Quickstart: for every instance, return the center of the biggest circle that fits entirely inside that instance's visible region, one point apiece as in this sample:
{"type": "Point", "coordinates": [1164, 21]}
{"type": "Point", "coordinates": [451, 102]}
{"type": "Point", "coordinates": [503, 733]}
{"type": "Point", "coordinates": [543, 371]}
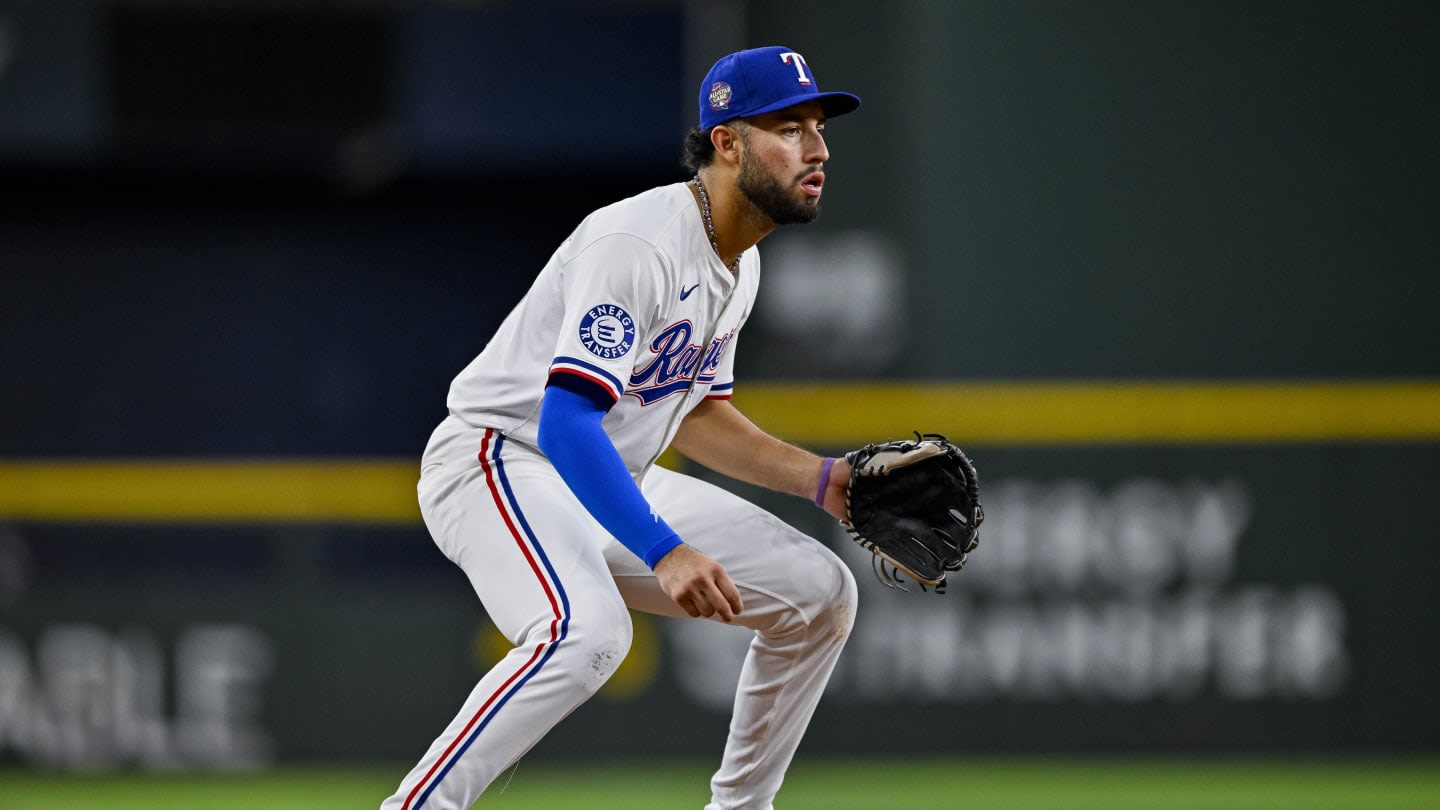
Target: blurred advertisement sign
{"type": "Point", "coordinates": [1081, 593]}
{"type": "Point", "coordinates": [87, 697]}
{"type": "Point", "coordinates": [49, 84]}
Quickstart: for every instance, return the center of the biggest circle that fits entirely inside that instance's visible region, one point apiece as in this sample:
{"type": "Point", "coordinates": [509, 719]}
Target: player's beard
{"type": "Point", "coordinates": [773, 199]}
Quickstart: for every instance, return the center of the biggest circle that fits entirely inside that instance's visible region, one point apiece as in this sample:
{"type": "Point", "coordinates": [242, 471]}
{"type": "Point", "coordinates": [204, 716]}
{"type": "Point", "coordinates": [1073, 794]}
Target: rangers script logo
{"type": "Point", "coordinates": [675, 361]}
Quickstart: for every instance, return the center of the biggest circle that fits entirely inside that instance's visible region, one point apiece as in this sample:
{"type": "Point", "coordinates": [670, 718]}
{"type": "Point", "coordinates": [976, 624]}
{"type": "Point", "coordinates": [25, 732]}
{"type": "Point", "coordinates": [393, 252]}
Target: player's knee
{"type": "Point", "coordinates": [828, 594]}
{"type": "Point", "coordinates": [597, 641]}
{"type": "Point", "coordinates": [840, 611]}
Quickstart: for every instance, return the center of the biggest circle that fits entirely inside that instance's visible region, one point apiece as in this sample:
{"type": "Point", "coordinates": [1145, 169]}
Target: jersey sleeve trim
{"type": "Point", "coordinates": [589, 371]}
{"type": "Point", "coordinates": [721, 391]}
{"type": "Point", "coordinates": [597, 394]}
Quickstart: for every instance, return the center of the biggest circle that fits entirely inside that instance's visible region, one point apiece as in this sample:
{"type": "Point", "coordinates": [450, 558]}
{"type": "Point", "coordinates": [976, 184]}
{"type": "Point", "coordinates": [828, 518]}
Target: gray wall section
{"type": "Point", "coordinates": [1140, 188]}
{"type": "Point", "coordinates": [1141, 600]}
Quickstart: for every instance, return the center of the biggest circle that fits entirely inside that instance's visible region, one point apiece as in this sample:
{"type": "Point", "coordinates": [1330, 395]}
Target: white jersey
{"type": "Point", "coordinates": [636, 301]}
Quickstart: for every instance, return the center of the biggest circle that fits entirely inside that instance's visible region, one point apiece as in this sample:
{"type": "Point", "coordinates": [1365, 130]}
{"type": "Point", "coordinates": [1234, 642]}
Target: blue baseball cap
{"type": "Point", "coordinates": [764, 80]}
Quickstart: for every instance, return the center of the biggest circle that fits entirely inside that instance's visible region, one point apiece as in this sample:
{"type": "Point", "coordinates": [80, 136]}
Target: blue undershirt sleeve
{"type": "Point", "coordinates": [572, 438]}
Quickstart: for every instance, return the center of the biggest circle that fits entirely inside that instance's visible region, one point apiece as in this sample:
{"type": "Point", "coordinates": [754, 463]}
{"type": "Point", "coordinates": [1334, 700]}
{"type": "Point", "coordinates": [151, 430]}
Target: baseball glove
{"type": "Point", "coordinates": [916, 506]}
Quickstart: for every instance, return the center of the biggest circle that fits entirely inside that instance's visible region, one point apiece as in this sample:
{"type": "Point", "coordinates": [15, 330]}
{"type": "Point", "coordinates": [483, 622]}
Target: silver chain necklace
{"type": "Point", "coordinates": [710, 224]}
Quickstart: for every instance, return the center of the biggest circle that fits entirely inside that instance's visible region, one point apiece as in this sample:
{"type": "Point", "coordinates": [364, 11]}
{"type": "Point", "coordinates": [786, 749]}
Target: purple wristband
{"type": "Point", "coordinates": [824, 482]}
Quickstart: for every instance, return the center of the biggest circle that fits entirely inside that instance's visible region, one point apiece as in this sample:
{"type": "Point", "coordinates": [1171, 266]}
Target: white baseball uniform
{"type": "Point", "coordinates": [636, 301]}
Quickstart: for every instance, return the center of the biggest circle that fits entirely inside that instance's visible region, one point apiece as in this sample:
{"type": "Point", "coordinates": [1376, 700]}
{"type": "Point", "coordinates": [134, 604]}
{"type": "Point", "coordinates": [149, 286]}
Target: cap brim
{"type": "Point", "coordinates": [833, 103]}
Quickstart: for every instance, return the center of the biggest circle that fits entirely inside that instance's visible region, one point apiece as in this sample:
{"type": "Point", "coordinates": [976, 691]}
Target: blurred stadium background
{"type": "Point", "coordinates": [1168, 268]}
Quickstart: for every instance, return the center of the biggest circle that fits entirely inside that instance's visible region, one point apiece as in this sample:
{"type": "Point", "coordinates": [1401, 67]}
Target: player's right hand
{"type": "Point", "coordinates": [698, 584]}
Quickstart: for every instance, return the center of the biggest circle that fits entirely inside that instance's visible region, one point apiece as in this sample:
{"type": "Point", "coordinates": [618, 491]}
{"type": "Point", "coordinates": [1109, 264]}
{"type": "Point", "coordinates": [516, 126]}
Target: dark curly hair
{"type": "Point", "coordinates": [699, 150]}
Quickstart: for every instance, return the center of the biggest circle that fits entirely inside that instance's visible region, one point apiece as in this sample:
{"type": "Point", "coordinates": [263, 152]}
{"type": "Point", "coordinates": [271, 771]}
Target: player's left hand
{"type": "Point", "coordinates": [916, 505]}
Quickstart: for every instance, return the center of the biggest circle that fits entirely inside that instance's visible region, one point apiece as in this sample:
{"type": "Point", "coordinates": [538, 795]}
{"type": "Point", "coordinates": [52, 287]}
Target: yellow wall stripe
{"type": "Point", "coordinates": [826, 416]}
{"type": "Point", "coordinates": [1100, 413]}
{"type": "Point", "coordinates": [267, 491]}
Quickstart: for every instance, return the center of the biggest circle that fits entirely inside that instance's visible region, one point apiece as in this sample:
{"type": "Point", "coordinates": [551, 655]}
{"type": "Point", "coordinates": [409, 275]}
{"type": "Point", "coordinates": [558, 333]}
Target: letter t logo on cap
{"type": "Point", "coordinates": [791, 57]}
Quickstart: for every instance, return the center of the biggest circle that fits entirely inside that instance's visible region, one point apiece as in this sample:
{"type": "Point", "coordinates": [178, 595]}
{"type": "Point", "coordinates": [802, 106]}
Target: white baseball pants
{"type": "Point", "coordinates": [558, 586]}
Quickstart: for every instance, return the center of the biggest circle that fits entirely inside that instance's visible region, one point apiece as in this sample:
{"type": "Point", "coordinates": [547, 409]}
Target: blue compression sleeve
{"type": "Point", "coordinates": [572, 438]}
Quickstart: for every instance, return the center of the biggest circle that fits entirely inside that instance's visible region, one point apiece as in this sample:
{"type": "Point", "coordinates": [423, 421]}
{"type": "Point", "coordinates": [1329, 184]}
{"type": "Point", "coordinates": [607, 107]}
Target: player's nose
{"type": "Point", "coordinates": [817, 152]}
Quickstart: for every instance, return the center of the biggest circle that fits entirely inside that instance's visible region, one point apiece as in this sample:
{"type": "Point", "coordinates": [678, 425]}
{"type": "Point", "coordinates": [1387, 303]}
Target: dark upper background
{"type": "Point", "coordinates": [280, 229]}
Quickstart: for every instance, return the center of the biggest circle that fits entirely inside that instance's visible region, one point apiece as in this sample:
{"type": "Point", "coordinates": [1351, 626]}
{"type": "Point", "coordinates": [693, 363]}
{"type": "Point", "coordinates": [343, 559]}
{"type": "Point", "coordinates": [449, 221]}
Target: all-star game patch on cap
{"type": "Point", "coordinates": [764, 80]}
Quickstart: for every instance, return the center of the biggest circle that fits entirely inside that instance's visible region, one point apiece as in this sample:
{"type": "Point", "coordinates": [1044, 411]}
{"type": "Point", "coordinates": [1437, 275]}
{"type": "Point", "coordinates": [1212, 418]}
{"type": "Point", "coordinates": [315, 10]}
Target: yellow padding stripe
{"type": "Point", "coordinates": [824, 416]}
{"type": "Point", "coordinates": [1100, 413]}
{"type": "Point", "coordinates": [265, 491]}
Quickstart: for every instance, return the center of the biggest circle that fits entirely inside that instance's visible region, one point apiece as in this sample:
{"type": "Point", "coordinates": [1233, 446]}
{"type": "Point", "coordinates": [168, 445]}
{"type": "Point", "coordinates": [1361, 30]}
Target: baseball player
{"type": "Point", "coordinates": [541, 484]}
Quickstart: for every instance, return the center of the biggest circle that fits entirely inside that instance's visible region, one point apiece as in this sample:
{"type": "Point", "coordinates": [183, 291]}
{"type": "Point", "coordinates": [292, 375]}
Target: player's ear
{"type": "Point", "coordinates": [726, 141]}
